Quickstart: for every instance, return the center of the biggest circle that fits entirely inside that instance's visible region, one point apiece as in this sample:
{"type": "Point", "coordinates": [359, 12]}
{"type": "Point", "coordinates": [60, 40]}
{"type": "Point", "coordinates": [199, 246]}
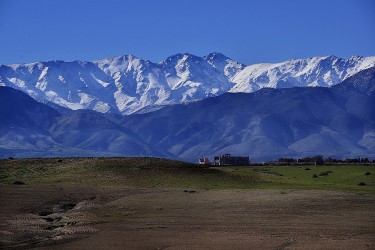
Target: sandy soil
{"type": "Point", "coordinates": [46, 217]}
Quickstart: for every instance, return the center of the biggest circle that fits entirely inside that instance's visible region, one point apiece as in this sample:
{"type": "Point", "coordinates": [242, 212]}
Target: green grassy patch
{"type": "Point", "coordinates": [120, 172]}
{"type": "Point", "coordinates": [335, 177]}
{"type": "Point", "coordinates": [162, 173]}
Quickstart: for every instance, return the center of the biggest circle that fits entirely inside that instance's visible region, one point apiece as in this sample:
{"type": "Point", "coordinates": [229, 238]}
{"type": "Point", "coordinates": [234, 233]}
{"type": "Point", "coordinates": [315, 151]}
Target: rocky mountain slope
{"type": "Point", "coordinates": [127, 84]}
{"type": "Point", "coordinates": [266, 124]}
{"type": "Point", "coordinates": [32, 129]}
{"type": "Point", "coordinates": [269, 123]}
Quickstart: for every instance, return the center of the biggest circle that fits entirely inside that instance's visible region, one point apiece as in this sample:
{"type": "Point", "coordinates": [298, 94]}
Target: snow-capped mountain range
{"type": "Point", "coordinates": [127, 84]}
{"type": "Point", "coordinates": [267, 124]}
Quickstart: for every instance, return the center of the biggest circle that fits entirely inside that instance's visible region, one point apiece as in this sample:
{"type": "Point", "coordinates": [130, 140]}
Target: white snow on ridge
{"type": "Point", "coordinates": [103, 83]}
{"type": "Point", "coordinates": [316, 71]}
{"type": "Point", "coordinates": [127, 84]}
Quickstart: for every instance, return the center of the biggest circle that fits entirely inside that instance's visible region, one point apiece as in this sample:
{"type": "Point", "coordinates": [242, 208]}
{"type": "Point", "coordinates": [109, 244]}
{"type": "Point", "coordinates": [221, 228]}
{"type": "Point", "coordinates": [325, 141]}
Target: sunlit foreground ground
{"type": "Point", "coordinates": [144, 203]}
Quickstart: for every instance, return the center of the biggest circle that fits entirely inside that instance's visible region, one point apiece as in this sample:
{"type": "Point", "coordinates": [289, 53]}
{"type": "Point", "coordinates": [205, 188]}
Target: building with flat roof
{"type": "Point", "coordinates": [229, 160]}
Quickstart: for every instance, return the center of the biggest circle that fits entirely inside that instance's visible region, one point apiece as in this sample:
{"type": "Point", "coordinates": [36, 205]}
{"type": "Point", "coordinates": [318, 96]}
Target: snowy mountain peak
{"type": "Point", "coordinates": [316, 71]}
{"type": "Point", "coordinates": [356, 57]}
{"type": "Point", "coordinates": [224, 64]}
{"type": "Point", "coordinates": [215, 56]}
{"type": "Point", "coordinates": [127, 84]}
{"type": "Point", "coordinates": [123, 63]}
{"type": "Point", "coordinates": [185, 57]}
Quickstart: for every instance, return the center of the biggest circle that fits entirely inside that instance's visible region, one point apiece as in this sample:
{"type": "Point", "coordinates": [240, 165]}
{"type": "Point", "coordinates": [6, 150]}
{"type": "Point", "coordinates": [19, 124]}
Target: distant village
{"type": "Point", "coordinates": [229, 160]}
{"type": "Point", "coordinates": [226, 160]}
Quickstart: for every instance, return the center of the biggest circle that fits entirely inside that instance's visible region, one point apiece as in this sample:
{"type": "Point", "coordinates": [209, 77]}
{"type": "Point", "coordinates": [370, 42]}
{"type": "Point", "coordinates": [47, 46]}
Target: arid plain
{"type": "Point", "coordinates": [146, 203]}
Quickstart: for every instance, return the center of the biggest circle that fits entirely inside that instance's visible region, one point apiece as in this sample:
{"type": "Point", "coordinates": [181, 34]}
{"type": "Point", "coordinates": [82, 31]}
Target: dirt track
{"type": "Point", "coordinates": [74, 218]}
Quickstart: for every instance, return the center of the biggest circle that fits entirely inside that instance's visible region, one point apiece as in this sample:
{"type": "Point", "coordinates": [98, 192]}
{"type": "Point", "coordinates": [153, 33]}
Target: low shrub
{"type": "Point", "coordinates": [18, 183]}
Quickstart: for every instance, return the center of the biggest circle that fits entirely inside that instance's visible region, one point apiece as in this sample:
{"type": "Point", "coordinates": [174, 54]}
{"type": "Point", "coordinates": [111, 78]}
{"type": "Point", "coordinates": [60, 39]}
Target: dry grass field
{"type": "Point", "coordinates": [145, 203]}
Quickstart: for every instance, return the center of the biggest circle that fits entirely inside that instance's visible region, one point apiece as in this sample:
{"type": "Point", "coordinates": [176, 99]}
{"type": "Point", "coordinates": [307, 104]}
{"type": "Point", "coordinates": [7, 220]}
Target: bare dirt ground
{"type": "Point", "coordinates": [62, 217]}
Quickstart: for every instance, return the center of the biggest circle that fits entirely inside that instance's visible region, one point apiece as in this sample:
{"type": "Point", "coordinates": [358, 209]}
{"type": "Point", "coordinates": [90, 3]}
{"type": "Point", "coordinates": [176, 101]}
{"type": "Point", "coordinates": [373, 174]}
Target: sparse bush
{"type": "Point", "coordinates": [189, 191]}
{"type": "Point", "coordinates": [314, 176]}
{"type": "Point", "coordinates": [67, 206]}
{"type": "Point", "coordinates": [45, 212]}
{"type": "Point", "coordinates": [18, 183]}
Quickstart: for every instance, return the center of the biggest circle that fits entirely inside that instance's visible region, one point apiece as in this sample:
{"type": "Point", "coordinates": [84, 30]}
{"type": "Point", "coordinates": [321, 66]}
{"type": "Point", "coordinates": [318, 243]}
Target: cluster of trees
{"type": "Point", "coordinates": [320, 160]}
{"type": "Point", "coordinates": [357, 160]}
{"type": "Point", "coordinates": [314, 159]}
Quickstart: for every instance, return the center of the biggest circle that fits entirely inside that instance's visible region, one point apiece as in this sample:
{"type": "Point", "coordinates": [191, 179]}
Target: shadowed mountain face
{"type": "Point", "coordinates": [19, 110]}
{"type": "Point", "coordinates": [270, 123]}
{"type": "Point", "coordinates": [89, 130]}
{"type": "Point", "coordinates": [29, 128]}
{"type": "Point", "coordinates": [363, 82]}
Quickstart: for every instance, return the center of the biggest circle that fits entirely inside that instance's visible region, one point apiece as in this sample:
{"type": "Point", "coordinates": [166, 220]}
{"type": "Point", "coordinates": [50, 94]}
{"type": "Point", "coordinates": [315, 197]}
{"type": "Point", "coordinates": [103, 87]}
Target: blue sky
{"type": "Point", "coordinates": [245, 30]}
